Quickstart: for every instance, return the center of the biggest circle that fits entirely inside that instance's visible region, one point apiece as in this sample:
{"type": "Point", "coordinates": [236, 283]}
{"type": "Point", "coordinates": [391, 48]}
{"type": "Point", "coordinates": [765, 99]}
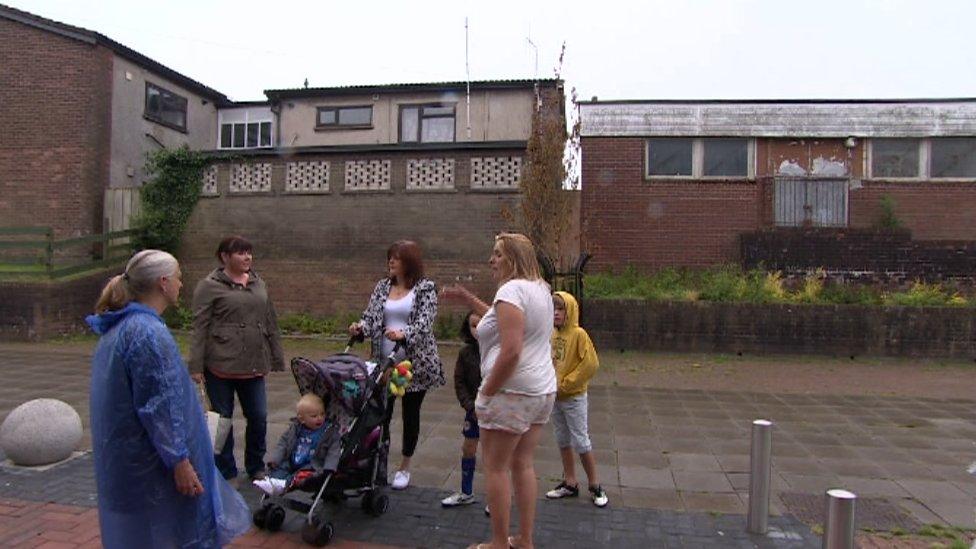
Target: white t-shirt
{"type": "Point", "coordinates": [534, 373]}
{"type": "Point", "coordinates": [396, 314]}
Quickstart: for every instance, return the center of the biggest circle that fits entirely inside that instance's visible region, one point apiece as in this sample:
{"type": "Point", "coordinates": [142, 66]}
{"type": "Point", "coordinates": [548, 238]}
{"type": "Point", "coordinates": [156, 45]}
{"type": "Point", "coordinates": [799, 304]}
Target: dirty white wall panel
{"type": "Point", "coordinates": [909, 119]}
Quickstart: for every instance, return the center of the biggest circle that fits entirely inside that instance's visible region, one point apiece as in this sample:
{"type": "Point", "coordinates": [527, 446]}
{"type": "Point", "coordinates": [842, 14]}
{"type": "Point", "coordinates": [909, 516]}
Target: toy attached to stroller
{"type": "Point", "coordinates": [357, 401]}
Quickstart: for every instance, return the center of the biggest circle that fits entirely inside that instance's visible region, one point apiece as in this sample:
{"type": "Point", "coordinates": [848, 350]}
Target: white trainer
{"type": "Point", "coordinates": [401, 479]}
{"type": "Point", "coordinates": [271, 486]}
{"type": "Point", "coordinates": [457, 498]}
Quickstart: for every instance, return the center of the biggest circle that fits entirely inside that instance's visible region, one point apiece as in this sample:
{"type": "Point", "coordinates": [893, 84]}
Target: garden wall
{"type": "Point", "coordinates": [31, 311]}
{"type": "Point", "coordinates": [861, 255]}
{"type": "Point", "coordinates": [838, 330]}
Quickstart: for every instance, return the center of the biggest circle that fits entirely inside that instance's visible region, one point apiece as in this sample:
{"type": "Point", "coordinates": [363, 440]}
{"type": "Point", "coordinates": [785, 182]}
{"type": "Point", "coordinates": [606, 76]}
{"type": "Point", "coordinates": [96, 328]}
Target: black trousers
{"type": "Point", "coordinates": [411, 419]}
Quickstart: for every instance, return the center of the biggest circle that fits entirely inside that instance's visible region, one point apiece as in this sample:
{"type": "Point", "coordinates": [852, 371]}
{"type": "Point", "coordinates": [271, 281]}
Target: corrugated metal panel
{"type": "Point", "coordinates": [819, 203]}
{"type": "Point", "coordinates": [780, 120]}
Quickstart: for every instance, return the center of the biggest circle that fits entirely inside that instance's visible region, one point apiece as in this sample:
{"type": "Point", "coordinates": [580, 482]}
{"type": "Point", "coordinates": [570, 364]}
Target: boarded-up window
{"type": "Point", "coordinates": [894, 157]}
{"type": "Point", "coordinates": [954, 157]}
{"type": "Point", "coordinates": [669, 156]}
{"type": "Point", "coordinates": [726, 157]}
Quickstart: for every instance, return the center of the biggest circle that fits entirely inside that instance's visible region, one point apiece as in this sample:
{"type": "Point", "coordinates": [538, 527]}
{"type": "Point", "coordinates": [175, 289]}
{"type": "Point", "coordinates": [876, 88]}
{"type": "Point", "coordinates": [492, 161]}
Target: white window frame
{"type": "Point", "coordinates": [247, 120]}
{"type": "Point", "coordinates": [924, 164]}
{"type": "Point", "coordinates": [698, 161]}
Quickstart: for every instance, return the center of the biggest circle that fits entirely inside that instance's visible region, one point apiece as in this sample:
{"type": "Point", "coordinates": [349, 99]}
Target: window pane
{"type": "Point", "coordinates": [239, 136]}
{"type": "Point", "coordinates": [669, 156]}
{"type": "Point", "coordinates": [226, 132]}
{"type": "Point", "coordinates": [327, 116]}
{"type": "Point", "coordinates": [265, 134]}
{"type": "Point", "coordinates": [432, 111]}
{"type": "Point", "coordinates": [954, 157]}
{"type": "Point", "coordinates": [356, 117]}
{"type": "Point", "coordinates": [894, 158]}
{"type": "Point", "coordinates": [437, 130]}
{"type": "Point", "coordinates": [174, 109]}
{"type": "Point", "coordinates": [726, 157]}
{"type": "Point", "coordinates": [408, 124]}
{"type": "Point", "coordinates": [153, 102]}
{"type": "Point", "coordinates": [252, 134]}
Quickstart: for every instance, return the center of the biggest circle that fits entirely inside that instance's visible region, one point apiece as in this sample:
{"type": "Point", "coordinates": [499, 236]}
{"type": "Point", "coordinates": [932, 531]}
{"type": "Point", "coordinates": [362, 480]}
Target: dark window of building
{"type": "Point", "coordinates": [427, 123]}
{"type": "Point", "coordinates": [894, 157]}
{"type": "Point", "coordinates": [669, 156]}
{"type": "Point", "coordinates": [728, 157]}
{"type": "Point", "coordinates": [165, 107]}
{"type": "Point", "coordinates": [350, 117]}
{"type": "Point", "coordinates": [954, 157]}
{"type": "Point", "coordinates": [245, 135]}
{"type": "Point", "coordinates": [226, 136]}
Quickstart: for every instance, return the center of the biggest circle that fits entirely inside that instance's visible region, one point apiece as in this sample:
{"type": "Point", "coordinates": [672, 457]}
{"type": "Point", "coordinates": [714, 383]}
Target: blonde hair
{"type": "Point", "coordinates": [139, 279]}
{"type": "Point", "coordinates": [310, 401]}
{"type": "Point", "coordinates": [519, 251]}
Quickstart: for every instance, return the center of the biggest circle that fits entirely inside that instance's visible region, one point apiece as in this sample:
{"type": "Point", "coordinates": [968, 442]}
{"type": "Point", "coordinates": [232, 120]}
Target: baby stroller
{"type": "Point", "coordinates": [357, 400]}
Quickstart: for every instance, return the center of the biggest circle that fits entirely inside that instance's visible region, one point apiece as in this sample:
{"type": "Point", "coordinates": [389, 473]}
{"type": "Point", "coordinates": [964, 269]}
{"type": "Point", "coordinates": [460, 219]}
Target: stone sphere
{"type": "Point", "coordinates": [40, 431]}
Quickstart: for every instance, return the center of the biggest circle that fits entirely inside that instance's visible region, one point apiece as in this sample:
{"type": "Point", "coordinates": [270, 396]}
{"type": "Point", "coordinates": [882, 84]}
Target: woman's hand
{"type": "Point", "coordinates": [395, 335]}
{"type": "Point", "coordinates": [187, 481]}
{"type": "Point", "coordinates": [197, 378]}
{"type": "Point", "coordinates": [356, 329]}
{"type": "Point", "coordinates": [455, 292]}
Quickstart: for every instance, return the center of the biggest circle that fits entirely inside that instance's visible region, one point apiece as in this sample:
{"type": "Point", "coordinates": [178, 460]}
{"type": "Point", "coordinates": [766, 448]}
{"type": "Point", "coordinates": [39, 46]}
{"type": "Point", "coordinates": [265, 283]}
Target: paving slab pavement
{"type": "Point", "coordinates": [660, 449]}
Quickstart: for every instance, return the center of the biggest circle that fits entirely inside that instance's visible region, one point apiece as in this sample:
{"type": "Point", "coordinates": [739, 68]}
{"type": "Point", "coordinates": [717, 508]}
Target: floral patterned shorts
{"type": "Point", "coordinates": [513, 412]}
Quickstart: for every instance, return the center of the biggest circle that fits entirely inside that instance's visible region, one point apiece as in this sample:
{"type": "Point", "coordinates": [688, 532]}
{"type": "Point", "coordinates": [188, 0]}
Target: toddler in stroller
{"type": "Point", "coordinates": [309, 448]}
{"type": "Point", "coordinates": [349, 458]}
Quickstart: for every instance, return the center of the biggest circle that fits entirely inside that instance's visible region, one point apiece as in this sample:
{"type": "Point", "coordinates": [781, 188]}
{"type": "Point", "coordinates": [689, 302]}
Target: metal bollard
{"type": "Point", "coordinates": [759, 471]}
{"type": "Point", "coordinates": [839, 523]}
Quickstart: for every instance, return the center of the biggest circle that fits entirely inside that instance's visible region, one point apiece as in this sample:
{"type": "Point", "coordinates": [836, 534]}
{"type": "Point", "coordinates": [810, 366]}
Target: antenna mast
{"type": "Point", "coordinates": [467, 75]}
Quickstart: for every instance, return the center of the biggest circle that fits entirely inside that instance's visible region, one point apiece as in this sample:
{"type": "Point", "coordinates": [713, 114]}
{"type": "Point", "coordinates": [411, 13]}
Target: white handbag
{"type": "Point", "coordinates": [217, 425]}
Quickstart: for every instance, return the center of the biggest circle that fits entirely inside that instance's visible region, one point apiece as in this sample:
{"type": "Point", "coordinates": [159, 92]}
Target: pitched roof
{"type": "Point", "coordinates": [412, 87]}
{"type": "Point", "coordinates": [92, 37]}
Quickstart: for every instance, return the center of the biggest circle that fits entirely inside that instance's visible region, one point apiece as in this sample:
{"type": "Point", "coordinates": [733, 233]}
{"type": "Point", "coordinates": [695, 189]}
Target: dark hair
{"type": "Point", "coordinates": [231, 245]}
{"type": "Point", "coordinates": [408, 252]}
{"type": "Point", "coordinates": [466, 335]}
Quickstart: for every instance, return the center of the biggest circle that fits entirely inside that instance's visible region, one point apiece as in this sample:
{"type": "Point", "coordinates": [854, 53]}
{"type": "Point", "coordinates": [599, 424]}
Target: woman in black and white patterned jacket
{"type": "Point", "coordinates": [403, 308]}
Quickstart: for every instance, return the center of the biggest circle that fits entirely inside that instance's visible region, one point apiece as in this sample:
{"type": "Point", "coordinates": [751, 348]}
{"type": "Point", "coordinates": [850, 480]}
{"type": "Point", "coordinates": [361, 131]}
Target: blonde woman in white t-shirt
{"type": "Point", "coordinates": [519, 382]}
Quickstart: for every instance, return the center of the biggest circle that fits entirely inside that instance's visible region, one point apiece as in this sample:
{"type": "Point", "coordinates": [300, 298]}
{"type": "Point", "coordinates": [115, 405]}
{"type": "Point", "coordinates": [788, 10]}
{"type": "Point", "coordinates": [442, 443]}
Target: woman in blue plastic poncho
{"type": "Point", "coordinates": [157, 482]}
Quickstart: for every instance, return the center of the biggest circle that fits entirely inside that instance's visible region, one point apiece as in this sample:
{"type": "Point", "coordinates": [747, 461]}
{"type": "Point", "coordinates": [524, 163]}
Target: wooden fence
{"type": "Point", "coordinates": [33, 252]}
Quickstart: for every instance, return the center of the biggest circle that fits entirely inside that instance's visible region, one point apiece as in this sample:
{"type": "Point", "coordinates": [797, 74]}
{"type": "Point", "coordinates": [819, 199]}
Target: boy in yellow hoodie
{"type": "Point", "coordinates": [575, 360]}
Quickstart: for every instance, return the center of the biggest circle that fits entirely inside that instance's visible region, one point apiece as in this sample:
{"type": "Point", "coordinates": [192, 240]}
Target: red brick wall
{"type": "Point", "coordinates": [55, 97]}
{"type": "Point", "coordinates": [930, 210]}
{"type": "Point", "coordinates": [652, 224]}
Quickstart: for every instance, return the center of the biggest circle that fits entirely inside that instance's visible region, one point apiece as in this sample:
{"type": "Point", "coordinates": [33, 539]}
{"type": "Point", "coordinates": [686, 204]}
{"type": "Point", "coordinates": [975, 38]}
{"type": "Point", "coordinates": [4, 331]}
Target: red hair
{"type": "Point", "coordinates": [408, 252]}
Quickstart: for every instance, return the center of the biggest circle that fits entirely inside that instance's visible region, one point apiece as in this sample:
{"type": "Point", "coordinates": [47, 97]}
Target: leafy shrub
{"type": "Point", "coordinates": [179, 318]}
{"type": "Point", "coordinates": [926, 295]}
{"type": "Point", "coordinates": [731, 284]}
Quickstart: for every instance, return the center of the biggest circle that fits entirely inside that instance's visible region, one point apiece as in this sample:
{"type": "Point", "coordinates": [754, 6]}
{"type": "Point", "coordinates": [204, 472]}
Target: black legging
{"type": "Point", "coordinates": [411, 419]}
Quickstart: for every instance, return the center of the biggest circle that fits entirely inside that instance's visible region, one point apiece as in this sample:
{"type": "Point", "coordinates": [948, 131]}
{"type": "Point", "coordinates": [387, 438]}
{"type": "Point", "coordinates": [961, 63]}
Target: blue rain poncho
{"type": "Point", "coordinates": [146, 418]}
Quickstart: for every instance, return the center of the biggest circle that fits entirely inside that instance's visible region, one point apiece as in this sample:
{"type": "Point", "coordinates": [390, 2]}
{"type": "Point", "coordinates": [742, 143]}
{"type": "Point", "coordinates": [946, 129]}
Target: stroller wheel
{"type": "Point", "coordinates": [375, 503]}
{"type": "Point", "coordinates": [275, 518]}
{"type": "Point", "coordinates": [260, 517]}
{"type": "Point", "coordinates": [317, 532]}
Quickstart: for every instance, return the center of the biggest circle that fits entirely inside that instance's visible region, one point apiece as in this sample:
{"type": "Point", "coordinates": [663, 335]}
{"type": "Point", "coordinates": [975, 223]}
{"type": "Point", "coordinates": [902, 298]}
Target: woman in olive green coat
{"type": "Point", "coordinates": [236, 342]}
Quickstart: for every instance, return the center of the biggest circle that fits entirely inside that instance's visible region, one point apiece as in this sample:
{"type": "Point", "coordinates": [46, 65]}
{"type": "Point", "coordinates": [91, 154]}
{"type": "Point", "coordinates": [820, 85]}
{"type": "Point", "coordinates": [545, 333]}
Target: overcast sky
{"type": "Point", "coordinates": [614, 49]}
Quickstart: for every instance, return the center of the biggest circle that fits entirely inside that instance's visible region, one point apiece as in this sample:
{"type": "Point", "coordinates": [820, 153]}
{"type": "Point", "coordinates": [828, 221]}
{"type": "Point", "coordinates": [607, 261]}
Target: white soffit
{"type": "Point", "coordinates": [788, 119]}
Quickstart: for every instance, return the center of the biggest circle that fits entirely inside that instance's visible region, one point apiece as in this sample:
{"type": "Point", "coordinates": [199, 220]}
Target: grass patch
{"type": "Point", "coordinates": [730, 284]}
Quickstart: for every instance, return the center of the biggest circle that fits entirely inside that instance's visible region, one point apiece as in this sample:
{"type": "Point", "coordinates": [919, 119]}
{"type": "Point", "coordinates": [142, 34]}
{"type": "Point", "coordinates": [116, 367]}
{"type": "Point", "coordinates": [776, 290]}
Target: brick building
{"type": "Point", "coordinates": [675, 183]}
{"type": "Point", "coordinates": [323, 180]}
{"type": "Point", "coordinates": [80, 111]}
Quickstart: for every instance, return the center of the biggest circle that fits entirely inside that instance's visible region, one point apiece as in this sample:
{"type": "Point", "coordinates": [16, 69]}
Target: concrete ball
{"type": "Point", "coordinates": [40, 432]}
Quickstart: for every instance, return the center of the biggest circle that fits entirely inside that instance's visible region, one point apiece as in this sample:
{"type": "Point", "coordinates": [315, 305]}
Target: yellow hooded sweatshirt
{"type": "Point", "coordinates": [573, 353]}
